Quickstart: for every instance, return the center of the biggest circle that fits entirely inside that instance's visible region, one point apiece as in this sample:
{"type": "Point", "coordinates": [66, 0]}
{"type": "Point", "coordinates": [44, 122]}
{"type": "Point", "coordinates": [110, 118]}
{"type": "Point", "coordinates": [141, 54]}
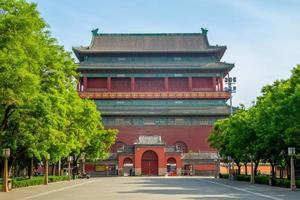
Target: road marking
{"type": "Point", "coordinates": [244, 190]}
{"type": "Point", "coordinates": [57, 190]}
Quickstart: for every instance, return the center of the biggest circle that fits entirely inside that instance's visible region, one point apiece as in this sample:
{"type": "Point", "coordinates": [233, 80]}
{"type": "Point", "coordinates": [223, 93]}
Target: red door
{"type": "Point", "coordinates": [150, 164]}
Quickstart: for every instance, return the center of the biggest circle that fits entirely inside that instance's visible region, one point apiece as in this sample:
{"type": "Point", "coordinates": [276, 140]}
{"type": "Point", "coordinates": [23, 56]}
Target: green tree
{"type": "Point", "coordinates": [40, 110]}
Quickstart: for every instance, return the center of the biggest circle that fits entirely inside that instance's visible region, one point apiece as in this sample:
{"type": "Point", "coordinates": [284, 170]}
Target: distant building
{"type": "Point", "coordinates": [163, 92]}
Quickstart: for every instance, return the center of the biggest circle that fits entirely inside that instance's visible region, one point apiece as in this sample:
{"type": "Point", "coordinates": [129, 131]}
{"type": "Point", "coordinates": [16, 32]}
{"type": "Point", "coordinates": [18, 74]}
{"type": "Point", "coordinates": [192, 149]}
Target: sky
{"type": "Point", "coordinates": [262, 36]}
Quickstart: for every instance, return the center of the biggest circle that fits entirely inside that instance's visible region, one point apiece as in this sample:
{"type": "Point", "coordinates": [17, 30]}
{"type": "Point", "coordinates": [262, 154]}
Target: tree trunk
{"type": "Point", "coordinates": [53, 170]}
{"type": "Point", "coordinates": [239, 168]}
{"type": "Point", "coordinates": [272, 170]}
{"type": "Point", "coordinates": [7, 113]}
{"type": "Point", "coordinates": [30, 168]}
{"type": "Point", "coordinates": [280, 172]}
{"type": "Point", "coordinates": [1, 169]}
{"type": "Point", "coordinates": [255, 167]}
{"type": "Point", "coordinates": [246, 168]}
{"type": "Point", "coordinates": [11, 162]}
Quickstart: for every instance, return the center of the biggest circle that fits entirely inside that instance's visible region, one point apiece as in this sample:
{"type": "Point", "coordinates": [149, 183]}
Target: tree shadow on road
{"type": "Point", "coordinates": [186, 188]}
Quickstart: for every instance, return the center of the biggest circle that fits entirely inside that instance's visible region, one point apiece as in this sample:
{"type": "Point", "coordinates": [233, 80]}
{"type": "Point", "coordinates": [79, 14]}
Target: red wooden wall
{"type": "Point", "coordinates": [149, 84]}
{"type": "Point", "coordinates": [202, 84]}
{"type": "Point", "coordinates": [97, 83]}
{"type": "Point", "coordinates": [195, 137]}
{"type": "Point", "coordinates": [120, 84]}
{"type": "Point", "coordinates": [178, 84]}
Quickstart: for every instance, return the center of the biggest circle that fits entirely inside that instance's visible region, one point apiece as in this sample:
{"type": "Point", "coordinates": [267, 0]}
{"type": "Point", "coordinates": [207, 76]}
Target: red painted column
{"type": "Point", "coordinates": [190, 83]}
{"type": "Point", "coordinates": [78, 85]}
{"type": "Point", "coordinates": [108, 83]}
{"type": "Point", "coordinates": [166, 84]}
{"type": "Point", "coordinates": [132, 84]}
{"type": "Point", "coordinates": [221, 84]}
{"type": "Point", "coordinates": [214, 83]}
{"type": "Point", "coordinates": [84, 83]}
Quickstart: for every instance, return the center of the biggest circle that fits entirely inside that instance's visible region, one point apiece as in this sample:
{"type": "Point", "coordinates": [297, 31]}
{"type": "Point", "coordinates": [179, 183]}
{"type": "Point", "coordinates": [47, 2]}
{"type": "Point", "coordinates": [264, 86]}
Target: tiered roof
{"type": "Point", "coordinates": [149, 43]}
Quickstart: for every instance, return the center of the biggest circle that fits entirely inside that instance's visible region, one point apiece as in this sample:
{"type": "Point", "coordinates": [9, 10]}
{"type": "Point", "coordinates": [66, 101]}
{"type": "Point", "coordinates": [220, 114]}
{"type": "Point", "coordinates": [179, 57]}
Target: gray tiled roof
{"type": "Point", "coordinates": [149, 42]}
{"type": "Point", "coordinates": [177, 42]}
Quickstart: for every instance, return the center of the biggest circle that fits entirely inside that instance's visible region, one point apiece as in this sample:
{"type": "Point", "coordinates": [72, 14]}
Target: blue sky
{"type": "Point", "coordinates": [262, 36]}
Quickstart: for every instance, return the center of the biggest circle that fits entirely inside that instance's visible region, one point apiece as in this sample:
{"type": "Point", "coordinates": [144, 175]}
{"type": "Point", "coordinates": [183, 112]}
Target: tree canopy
{"type": "Point", "coordinates": [265, 130]}
{"type": "Point", "coordinates": [41, 112]}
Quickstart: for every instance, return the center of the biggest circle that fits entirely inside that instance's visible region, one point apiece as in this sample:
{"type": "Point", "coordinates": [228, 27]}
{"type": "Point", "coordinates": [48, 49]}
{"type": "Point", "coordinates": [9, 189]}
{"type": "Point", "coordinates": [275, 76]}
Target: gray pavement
{"type": "Point", "coordinates": [144, 188]}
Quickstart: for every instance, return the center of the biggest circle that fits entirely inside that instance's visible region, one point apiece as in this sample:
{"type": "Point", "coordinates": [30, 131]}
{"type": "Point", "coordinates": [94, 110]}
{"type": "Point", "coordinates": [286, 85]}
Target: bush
{"type": "Point", "coordinates": [262, 179]}
{"type": "Point", "coordinates": [21, 182]}
{"type": "Point", "coordinates": [27, 182]}
{"type": "Point", "coordinates": [282, 182]}
{"type": "Point", "coordinates": [57, 178]}
{"type": "Point", "coordinates": [243, 177]}
{"type": "Point", "coordinates": [225, 176]}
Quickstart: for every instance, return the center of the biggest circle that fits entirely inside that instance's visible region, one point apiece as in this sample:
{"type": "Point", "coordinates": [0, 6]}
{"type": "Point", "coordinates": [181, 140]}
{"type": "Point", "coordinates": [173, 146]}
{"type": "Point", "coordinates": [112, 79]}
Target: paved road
{"type": "Point", "coordinates": [156, 188]}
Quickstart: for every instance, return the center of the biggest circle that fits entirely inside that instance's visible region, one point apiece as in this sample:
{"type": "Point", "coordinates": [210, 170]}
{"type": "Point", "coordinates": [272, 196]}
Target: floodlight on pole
{"type": "Point", "coordinates": [231, 88]}
{"type": "Point", "coordinates": [292, 153]}
{"type": "Point", "coordinates": [70, 159]}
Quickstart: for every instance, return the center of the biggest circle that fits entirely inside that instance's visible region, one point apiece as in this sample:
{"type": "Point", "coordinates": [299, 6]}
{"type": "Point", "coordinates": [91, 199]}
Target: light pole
{"type": "Point", "coordinates": [252, 180]}
{"type": "Point", "coordinates": [47, 157]}
{"type": "Point", "coordinates": [70, 159]}
{"type": "Point", "coordinates": [83, 164]}
{"type": "Point", "coordinates": [217, 167]}
{"type": "Point", "coordinates": [231, 88]}
{"type": "Point", "coordinates": [292, 152]}
{"type": "Point", "coordinates": [6, 154]}
{"type": "Point", "coordinates": [229, 167]}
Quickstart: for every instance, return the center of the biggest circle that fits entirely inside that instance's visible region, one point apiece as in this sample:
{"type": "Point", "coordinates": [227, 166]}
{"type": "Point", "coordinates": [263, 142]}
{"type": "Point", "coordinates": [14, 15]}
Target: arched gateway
{"type": "Point", "coordinates": [150, 163]}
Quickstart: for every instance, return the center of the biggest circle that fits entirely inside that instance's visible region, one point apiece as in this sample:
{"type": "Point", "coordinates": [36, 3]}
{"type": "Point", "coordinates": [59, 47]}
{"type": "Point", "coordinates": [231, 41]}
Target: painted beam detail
{"type": "Point", "coordinates": [126, 74]}
{"type": "Point", "coordinates": [155, 95]}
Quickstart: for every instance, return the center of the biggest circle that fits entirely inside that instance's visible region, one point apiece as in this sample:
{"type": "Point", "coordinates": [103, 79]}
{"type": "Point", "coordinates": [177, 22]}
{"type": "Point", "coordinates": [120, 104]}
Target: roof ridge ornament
{"type": "Point", "coordinates": [95, 31]}
{"type": "Point", "coordinates": [204, 31]}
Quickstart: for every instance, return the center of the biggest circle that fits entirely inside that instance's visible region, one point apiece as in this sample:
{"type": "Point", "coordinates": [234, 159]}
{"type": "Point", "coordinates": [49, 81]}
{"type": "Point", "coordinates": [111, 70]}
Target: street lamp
{"type": "Point", "coordinates": [252, 179]}
{"type": "Point", "coordinates": [6, 154]}
{"type": "Point", "coordinates": [70, 159]}
{"type": "Point", "coordinates": [231, 88]}
{"type": "Point", "coordinates": [229, 167]}
{"type": "Point", "coordinates": [47, 157]}
{"type": "Point", "coordinates": [83, 163]}
{"type": "Point", "coordinates": [217, 167]}
{"type": "Point", "coordinates": [291, 153]}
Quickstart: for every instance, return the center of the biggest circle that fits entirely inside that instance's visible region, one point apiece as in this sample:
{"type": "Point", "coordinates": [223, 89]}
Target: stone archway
{"type": "Point", "coordinates": [128, 167]}
{"type": "Point", "coordinates": [171, 167]}
{"type": "Point", "coordinates": [149, 163]}
{"type": "Point", "coordinates": [182, 146]}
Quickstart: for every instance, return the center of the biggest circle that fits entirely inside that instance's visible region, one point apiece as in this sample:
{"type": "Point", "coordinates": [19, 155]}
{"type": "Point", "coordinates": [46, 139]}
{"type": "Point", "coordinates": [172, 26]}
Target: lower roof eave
{"type": "Point", "coordinates": [162, 114]}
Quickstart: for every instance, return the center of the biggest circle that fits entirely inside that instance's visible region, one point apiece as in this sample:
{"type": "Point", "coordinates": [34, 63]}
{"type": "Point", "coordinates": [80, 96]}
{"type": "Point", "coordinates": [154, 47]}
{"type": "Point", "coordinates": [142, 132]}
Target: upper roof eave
{"type": "Point", "coordinates": [179, 66]}
{"type": "Point", "coordinates": [81, 52]}
{"type": "Point", "coordinates": [90, 51]}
